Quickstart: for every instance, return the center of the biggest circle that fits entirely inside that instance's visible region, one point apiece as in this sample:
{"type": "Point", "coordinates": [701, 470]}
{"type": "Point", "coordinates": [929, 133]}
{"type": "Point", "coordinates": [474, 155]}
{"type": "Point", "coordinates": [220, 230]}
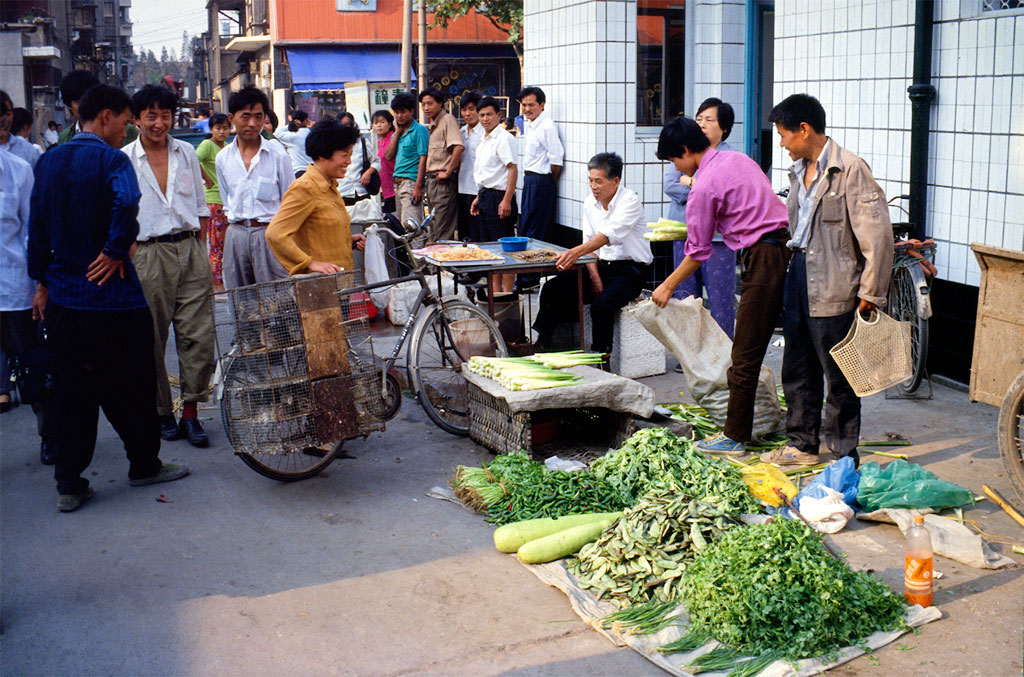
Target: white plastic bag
{"type": "Point", "coordinates": [376, 269]}
{"type": "Point", "coordinates": [555, 463]}
{"type": "Point", "coordinates": [704, 351]}
{"type": "Point", "coordinates": [828, 514]}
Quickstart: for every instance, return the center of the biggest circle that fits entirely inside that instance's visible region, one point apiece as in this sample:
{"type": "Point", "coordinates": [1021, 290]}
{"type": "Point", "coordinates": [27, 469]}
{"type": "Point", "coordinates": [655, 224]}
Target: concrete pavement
{"type": "Point", "coordinates": [357, 572]}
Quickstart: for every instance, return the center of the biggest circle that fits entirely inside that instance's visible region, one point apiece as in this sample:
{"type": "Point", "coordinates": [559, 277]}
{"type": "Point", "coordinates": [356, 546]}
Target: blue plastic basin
{"type": "Point", "coordinates": [513, 244]}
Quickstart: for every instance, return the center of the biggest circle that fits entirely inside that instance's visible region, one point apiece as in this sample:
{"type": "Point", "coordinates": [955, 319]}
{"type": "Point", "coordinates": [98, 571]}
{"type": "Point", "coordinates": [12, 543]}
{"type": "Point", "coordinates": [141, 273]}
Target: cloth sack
{"type": "Point", "coordinates": [704, 351]}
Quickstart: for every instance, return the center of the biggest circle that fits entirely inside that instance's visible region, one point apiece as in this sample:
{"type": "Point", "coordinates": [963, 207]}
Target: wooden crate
{"type": "Point", "coordinates": [999, 334]}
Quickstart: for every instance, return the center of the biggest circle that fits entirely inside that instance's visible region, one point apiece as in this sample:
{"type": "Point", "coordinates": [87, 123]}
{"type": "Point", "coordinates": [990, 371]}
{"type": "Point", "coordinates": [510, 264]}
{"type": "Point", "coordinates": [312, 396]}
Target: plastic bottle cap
{"type": "Point", "coordinates": [918, 519]}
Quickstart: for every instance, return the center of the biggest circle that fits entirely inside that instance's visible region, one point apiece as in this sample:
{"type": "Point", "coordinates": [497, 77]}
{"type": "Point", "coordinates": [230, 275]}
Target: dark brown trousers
{"type": "Point", "coordinates": [763, 277]}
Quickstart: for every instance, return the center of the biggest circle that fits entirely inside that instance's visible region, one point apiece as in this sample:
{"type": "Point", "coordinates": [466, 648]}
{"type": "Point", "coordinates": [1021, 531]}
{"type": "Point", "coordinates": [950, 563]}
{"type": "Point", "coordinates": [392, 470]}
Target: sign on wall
{"type": "Point", "coordinates": [357, 5]}
{"type": "Point", "coordinates": [357, 102]}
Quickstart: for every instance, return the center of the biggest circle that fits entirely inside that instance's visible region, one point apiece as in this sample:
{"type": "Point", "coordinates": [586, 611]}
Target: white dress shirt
{"type": "Point", "coordinates": [350, 186]}
{"type": "Point", "coordinates": [622, 223]}
{"type": "Point", "coordinates": [295, 142]}
{"type": "Point", "coordinates": [493, 156]}
{"type": "Point", "coordinates": [180, 207]}
{"type": "Point", "coordinates": [254, 193]}
{"type": "Point", "coordinates": [21, 148]}
{"type": "Point", "coordinates": [471, 138]}
{"type": "Point", "coordinates": [51, 137]}
{"type": "Point", "coordinates": [541, 145]}
{"type": "Point", "coordinates": [16, 288]}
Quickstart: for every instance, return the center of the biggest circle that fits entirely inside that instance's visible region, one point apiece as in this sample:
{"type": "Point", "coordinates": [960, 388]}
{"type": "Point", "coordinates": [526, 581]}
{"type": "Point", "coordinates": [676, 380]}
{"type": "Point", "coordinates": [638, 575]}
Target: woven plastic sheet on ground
{"type": "Point", "coordinates": [297, 364]}
{"type": "Point", "coordinates": [687, 329]}
{"type": "Point", "coordinates": [949, 539]}
{"type": "Point", "coordinates": [590, 611]}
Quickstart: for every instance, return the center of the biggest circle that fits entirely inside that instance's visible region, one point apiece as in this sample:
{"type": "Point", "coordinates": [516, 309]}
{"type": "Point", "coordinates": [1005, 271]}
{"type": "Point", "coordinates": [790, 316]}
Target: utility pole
{"type": "Point", "coordinates": [421, 76]}
{"type": "Point", "coordinates": [406, 44]}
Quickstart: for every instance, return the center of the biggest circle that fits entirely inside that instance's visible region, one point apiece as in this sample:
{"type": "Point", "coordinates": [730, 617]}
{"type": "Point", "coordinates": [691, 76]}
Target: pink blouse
{"type": "Point", "coordinates": [387, 168]}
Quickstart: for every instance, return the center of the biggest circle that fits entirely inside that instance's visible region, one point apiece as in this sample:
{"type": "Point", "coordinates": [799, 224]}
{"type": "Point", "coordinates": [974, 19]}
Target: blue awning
{"type": "Point", "coordinates": [331, 67]}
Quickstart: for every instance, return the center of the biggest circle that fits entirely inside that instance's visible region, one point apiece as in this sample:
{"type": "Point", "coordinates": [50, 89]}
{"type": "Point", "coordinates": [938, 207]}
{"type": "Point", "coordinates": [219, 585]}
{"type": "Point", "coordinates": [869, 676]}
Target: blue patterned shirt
{"type": "Point", "coordinates": [85, 201]}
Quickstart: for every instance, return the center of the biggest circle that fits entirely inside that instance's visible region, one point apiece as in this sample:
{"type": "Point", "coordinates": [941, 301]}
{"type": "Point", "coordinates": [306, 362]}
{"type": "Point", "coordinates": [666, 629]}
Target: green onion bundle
{"type": "Point", "coordinates": [519, 373]}
{"type": "Point", "coordinates": [567, 358]}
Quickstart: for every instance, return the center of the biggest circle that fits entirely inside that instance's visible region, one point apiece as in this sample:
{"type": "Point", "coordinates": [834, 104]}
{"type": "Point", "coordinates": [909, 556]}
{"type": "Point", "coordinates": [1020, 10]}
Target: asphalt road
{"type": "Point", "coordinates": [358, 572]}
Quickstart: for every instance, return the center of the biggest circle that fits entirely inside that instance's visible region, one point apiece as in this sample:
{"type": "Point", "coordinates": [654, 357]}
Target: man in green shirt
{"type": "Point", "coordinates": [72, 87]}
{"type": "Point", "coordinates": [408, 150]}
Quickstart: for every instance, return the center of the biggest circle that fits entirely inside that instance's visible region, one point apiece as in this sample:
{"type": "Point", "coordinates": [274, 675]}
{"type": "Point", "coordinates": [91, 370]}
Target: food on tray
{"type": "Point", "coordinates": [534, 255]}
{"type": "Point", "coordinates": [465, 254]}
{"type": "Point", "coordinates": [432, 249]}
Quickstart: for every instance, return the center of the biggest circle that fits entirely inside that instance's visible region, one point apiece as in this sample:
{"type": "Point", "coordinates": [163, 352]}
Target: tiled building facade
{"type": "Point", "coordinates": [856, 56]}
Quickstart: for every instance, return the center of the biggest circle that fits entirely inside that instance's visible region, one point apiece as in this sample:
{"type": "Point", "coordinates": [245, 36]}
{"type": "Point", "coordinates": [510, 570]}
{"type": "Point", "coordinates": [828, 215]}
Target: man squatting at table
{"type": "Point", "coordinates": [613, 226]}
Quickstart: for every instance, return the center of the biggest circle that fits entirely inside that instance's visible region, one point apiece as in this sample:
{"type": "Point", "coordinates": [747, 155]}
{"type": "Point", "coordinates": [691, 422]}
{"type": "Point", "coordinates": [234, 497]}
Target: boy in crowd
{"type": "Point", "coordinates": [408, 150]}
{"type": "Point", "coordinates": [495, 172]}
{"type": "Point", "coordinates": [444, 154]}
{"type": "Point", "coordinates": [293, 136]}
{"type": "Point", "coordinates": [252, 179]}
{"type": "Point", "coordinates": [9, 141]}
{"type": "Point", "coordinates": [171, 258]}
{"type": "Point", "coordinates": [472, 134]}
{"type": "Point", "coordinates": [83, 225]}
{"type": "Point", "coordinates": [72, 87]}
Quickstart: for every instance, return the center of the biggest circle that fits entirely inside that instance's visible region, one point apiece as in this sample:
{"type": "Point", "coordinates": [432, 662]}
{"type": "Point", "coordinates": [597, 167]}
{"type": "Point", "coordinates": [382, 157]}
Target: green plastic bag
{"type": "Point", "coordinates": [907, 485]}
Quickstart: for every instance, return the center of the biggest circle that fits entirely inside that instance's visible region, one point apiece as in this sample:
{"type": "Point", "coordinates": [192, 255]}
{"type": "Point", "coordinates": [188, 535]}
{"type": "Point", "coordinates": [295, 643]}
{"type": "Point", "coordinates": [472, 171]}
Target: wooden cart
{"type": "Point", "coordinates": [997, 367]}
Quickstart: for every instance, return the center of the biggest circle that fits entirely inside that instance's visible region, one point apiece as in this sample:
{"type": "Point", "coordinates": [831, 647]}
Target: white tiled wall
{"type": "Point", "coordinates": [857, 58]}
{"type": "Point", "coordinates": [583, 55]}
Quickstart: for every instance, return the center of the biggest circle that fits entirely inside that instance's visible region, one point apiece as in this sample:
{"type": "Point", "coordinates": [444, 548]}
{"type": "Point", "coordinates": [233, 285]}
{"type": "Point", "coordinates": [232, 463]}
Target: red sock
{"type": "Point", "coordinates": [189, 410]}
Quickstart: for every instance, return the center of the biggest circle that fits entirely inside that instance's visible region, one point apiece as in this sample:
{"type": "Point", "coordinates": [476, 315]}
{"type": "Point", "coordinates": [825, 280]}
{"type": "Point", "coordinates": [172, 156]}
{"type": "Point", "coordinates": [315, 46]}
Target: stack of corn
{"type": "Point", "coordinates": [665, 229]}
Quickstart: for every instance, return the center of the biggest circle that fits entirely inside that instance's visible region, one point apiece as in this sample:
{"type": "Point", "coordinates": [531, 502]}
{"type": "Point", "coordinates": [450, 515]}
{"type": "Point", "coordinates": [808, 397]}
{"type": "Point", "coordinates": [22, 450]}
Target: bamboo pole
{"type": "Point", "coordinates": [1002, 503]}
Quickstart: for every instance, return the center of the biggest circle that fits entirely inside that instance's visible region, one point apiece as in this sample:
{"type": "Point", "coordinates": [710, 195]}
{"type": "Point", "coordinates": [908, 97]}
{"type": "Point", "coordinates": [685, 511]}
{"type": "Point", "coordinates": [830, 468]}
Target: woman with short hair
{"type": "Point", "coordinates": [311, 232]}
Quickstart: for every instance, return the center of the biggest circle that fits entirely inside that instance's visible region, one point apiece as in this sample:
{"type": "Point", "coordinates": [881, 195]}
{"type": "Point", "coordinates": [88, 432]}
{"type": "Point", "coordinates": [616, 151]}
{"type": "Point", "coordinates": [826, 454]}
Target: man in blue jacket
{"type": "Point", "coordinates": [81, 237]}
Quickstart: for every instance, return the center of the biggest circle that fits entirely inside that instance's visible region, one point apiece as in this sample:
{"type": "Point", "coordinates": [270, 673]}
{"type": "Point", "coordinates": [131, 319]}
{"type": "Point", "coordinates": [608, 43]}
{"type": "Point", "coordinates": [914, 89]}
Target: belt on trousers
{"type": "Point", "coordinates": [778, 237]}
{"type": "Point", "coordinates": [537, 174]}
{"type": "Point", "coordinates": [349, 201]}
{"type": "Point", "coordinates": [173, 237]}
{"type": "Point", "coordinates": [399, 180]}
{"type": "Point", "coordinates": [249, 223]}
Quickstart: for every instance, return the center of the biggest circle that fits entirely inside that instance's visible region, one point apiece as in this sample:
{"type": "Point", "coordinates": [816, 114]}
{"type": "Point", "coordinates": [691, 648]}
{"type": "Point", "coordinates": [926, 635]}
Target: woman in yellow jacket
{"type": "Point", "coordinates": [311, 232]}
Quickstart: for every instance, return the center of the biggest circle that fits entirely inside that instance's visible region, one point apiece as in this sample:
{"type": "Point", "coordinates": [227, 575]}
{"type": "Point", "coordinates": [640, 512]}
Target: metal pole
{"type": "Point", "coordinates": [406, 43]}
{"type": "Point", "coordinates": [421, 74]}
{"type": "Point", "coordinates": [922, 93]}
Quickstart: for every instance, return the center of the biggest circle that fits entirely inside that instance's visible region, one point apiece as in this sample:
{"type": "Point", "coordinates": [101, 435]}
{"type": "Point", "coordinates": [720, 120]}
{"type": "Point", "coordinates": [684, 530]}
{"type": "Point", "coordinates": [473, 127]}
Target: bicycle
{"type": "Point", "coordinates": [441, 332]}
{"type": "Point", "coordinates": [909, 298]}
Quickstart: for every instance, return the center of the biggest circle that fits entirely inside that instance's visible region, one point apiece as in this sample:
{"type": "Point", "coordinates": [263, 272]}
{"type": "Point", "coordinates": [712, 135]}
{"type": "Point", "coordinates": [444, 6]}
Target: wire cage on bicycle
{"type": "Point", "coordinates": [297, 364]}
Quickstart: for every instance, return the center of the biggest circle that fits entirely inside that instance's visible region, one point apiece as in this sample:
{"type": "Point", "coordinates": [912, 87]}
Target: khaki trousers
{"type": "Point", "coordinates": [177, 283]}
{"type": "Point", "coordinates": [443, 198]}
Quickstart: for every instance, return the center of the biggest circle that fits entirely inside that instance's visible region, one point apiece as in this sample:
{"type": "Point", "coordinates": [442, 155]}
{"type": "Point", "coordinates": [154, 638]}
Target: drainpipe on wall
{"type": "Point", "coordinates": [751, 125]}
{"type": "Point", "coordinates": [922, 93]}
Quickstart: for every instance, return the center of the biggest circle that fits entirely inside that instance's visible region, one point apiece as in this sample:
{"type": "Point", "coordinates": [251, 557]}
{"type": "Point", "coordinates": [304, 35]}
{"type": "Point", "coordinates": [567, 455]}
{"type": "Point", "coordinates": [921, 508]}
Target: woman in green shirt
{"type": "Point", "coordinates": [207, 151]}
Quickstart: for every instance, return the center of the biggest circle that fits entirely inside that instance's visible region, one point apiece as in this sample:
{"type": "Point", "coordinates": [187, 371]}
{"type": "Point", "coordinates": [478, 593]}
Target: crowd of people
{"type": "Point", "coordinates": [119, 232]}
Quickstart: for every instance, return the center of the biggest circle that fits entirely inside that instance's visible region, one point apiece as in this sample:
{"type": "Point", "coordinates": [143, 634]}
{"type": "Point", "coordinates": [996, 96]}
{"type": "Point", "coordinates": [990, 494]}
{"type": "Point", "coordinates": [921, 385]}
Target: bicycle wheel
{"type": "Point", "coordinates": [241, 395]}
{"type": "Point", "coordinates": [440, 343]}
{"type": "Point", "coordinates": [903, 306]}
{"type": "Point", "coordinates": [1011, 432]}
{"type": "Point", "coordinates": [392, 397]}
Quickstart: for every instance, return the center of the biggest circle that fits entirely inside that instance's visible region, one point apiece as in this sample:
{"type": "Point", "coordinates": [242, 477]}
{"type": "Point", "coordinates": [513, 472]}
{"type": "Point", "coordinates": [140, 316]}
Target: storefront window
{"type": "Point", "coordinates": [660, 42]}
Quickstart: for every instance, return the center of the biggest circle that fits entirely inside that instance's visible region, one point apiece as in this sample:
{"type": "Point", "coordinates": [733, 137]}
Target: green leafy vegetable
{"type": "Point", "coordinates": [775, 588]}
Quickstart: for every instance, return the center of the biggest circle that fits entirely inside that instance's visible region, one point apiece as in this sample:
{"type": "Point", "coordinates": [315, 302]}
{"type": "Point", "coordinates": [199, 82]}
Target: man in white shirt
{"type": "Point", "coordinates": [19, 324]}
{"type": "Point", "coordinates": [252, 178]}
{"type": "Point", "coordinates": [171, 258]}
{"type": "Point", "coordinates": [613, 226]}
{"type": "Point", "coordinates": [472, 134]}
{"type": "Point", "coordinates": [495, 172]}
{"type": "Point", "coordinates": [13, 143]}
{"type": "Point", "coordinates": [50, 136]}
{"type": "Point", "coordinates": [542, 163]}
{"type": "Point", "coordinates": [293, 136]}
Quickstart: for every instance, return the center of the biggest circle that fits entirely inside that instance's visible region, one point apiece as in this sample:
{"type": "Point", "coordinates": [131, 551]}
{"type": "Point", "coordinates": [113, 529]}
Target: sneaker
{"type": "Point", "coordinates": [789, 456]}
{"type": "Point", "coordinates": [720, 444]}
{"type": "Point", "coordinates": [168, 473]}
{"type": "Point", "coordinates": [72, 502]}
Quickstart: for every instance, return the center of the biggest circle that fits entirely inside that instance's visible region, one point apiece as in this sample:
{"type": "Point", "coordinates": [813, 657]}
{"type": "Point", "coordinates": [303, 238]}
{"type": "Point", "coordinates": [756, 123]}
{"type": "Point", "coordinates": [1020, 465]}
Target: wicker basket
{"type": "Point", "coordinates": [875, 355]}
{"type": "Point", "coordinates": [635, 351]}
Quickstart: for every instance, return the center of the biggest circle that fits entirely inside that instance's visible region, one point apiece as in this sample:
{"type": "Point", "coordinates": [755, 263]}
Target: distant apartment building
{"type": "Point", "coordinates": [41, 41]}
{"type": "Point", "coordinates": [302, 54]}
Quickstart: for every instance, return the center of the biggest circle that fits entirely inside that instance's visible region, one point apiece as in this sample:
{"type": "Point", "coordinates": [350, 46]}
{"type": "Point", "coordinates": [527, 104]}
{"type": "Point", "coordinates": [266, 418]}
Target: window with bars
{"type": "Point", "coordinates": [999, 5]}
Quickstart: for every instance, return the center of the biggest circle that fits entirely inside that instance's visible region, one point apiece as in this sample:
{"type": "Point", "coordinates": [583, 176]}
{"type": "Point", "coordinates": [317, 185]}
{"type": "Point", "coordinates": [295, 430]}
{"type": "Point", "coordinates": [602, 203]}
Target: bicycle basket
{"type": "Point", "coordinates": [875, 354]}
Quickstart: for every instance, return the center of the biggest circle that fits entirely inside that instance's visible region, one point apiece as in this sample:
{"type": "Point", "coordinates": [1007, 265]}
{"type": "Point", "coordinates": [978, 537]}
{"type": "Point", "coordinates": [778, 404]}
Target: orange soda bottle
{"type": "Point", "coordinates": [917, 578]}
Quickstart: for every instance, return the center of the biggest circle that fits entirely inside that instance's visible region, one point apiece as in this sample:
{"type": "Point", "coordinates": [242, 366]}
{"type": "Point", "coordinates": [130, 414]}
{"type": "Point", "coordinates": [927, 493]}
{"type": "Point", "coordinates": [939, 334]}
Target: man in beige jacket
{"type": "Point", "coordinates": [842, 246]}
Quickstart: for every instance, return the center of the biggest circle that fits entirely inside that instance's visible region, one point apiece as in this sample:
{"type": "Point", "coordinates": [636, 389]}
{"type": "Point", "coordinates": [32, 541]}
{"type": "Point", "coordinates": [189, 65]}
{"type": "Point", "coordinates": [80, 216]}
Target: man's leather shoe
{"type": "Point", "coordinates": [169, 428]}
{"type": "Point", "coordinates": [193, 430]}
{"type": "Point", "coordinates": [45, 455]}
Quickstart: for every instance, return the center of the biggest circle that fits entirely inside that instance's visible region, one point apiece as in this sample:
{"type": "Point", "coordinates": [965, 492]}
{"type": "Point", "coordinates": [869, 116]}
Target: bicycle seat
{"type": "Point", "coordinates": [902, 229]}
